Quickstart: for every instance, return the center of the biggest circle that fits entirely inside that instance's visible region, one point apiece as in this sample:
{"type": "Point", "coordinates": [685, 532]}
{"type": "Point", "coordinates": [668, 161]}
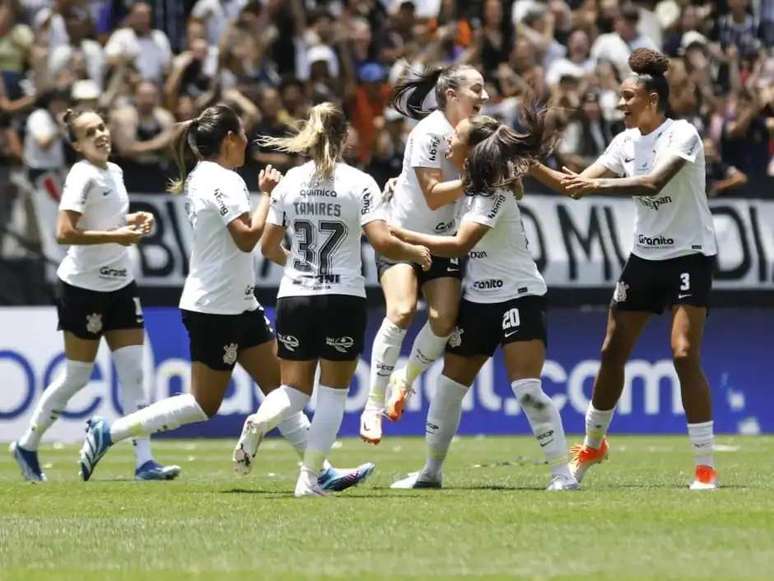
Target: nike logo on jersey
{"type": "Point", "coordinates": [511, 333]}
{"type": "Point", "coordinates": [684, 296]}
{"type": "Point", "coordinates": [106, 193]}
{"type": "Point", "coordinates": [628, 159]}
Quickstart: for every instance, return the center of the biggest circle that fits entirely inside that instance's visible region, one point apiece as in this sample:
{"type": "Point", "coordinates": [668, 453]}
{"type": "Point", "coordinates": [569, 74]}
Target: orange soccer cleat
{"type": "Point", "coordinates": [584, 457]}
{"type": "Point", "coordinates": [706, 478]}
{"type": "Point", "coordinates": [400, 391]}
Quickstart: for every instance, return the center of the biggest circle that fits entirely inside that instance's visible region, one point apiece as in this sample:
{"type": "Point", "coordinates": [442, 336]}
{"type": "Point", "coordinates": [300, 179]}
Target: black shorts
{"type": "Point", "coordinates": [88, 314]}
{"type": "Point", "coordinates": [440, 268]}
{"type": "Point", "coordinates": [320, 327]}
{"type": "Point", "coordinates": [652, 285]}
{"type": "Point", "coordinates": [481, 327]}
{"type": "Point", "coordinates": [216, 340]}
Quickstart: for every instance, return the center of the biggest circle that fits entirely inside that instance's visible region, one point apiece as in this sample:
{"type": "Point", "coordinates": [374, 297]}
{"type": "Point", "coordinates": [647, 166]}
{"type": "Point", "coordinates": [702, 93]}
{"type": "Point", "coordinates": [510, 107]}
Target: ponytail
{"type": "Point", "coordinates": [410, 93]}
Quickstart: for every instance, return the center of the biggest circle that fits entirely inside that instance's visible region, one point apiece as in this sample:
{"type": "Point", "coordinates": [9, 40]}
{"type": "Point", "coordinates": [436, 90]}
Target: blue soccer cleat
{"type": "Point", "coordinates": [95, 445]}
{"type": "Point", "coordinates": [152, 470]}
{"type": "Point", "coordinates": [338, 479]}
{"type": "Point", "coordinates": [28, 462]}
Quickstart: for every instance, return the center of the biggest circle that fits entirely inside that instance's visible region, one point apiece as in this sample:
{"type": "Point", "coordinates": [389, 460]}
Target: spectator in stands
{"type": "Point", "coordinates": [218, 14]}
{"type": "Point", "coordinates": [616, 46]}
{"type": "Point", "coordinates": [44, 138]}
{"type": "Point", "coordinates": [577, 62]}
{"type": "Point", "coordinates": [737, 28]}
{"type": "Point", "coordinates": [387, 159]}
{"type": "Point", "coordinates": [141, 133]}
{"type": "Point", "coordinates": [366, 109]}
{"type": "Point", "coordinates": [745, 141]}
{"type": "Point", "coordinates": [140, 44]}
{"type": "Point", "coordinates": [495, 38]}
{"type": "Point", "coordinates": [721, 176]}
{"type": "Point", "coordinates": [80, 51]}
{"type": "Point", "coordinates": [15, 42]}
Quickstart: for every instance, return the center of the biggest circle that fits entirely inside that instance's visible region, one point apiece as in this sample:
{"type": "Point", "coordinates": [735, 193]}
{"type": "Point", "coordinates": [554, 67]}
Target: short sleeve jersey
{"type": "Point", "coordinates": [324, 218]}
{"type": "Point", "coordinates": [221, 277]}
{"type": "Point", "coordinates": [99, 196]}
{"type": "Point", "coordinates": [426, 148]}
{"type": "Point", "coordinates": [500, 266]}
{"type": "Point", "coordinates": [677, 221]}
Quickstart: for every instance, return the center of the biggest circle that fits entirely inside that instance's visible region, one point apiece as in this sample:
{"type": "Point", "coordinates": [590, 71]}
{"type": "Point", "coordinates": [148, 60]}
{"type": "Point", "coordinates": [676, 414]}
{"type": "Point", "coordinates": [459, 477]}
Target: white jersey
{"type": "Point", "coordinates": [500, 267]}
{"type": "Point", "coordinates": [426, 147]}
{"type": "Point", "coordinates": [324, 219]}
{"type": "Point", "coordinates": [221, 277]}
{"type": "Point", "coordinates": [99, 196]}
{"type": "Point", "coordinates": [677, 221]}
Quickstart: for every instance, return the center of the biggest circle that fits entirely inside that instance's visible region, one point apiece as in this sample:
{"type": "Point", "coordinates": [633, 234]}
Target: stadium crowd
{"type": "Point", "coordinates": [147, 65]}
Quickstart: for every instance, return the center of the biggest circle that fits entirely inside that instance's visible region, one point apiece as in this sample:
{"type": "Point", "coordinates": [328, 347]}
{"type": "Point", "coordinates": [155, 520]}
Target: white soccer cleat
{"type": "Point", "coordinates": [371, 424]}
{"type": "Point", "coordinates": [418, 480]}
{"type": "Point", "coordinates": [247, 446]}
{"type": "Point", "coordinates": [307, 484]}
{"type": "Point", "coordinates": [563, 482]}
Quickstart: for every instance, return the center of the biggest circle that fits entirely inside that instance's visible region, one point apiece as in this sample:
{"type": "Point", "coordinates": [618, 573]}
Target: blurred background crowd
{"type": "Point", "coordinates": [147, 65]}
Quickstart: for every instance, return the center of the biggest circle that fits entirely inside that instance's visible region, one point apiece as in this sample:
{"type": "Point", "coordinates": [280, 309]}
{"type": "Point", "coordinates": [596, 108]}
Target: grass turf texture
{"type": "Point", "coordinates": [635, 517]}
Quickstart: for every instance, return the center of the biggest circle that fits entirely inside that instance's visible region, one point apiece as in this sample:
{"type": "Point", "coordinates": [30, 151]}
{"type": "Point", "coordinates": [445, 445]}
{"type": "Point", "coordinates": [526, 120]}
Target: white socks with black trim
{"type": "Point", "coordinates": [427, 348]}
{"type": "Point", "coordinates": [443, 420]}
{"type": "Point", "coordinates": [545, 421]}
{"type": "Point", "coordinates": [163, 415]}
{"type": "Point", "coordinates": [384, 356]}
{"type": "Point", "coordinates": [703, 443]}
{"type": "Point", "coordinates": [54, 400]}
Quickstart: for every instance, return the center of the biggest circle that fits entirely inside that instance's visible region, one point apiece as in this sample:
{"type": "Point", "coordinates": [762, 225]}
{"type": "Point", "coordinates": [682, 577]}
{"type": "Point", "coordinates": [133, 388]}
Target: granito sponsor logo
{"type": "Point", "coordinates": [221, 203]}
{"type": "Point", "coordinates": [107, 272]}
{"type": "Point", "coordinates": [660, 241]}
{"type": "Point", "coordinates": [432, 152]}
{"type": "Point", "coordinates": [488, 284]}
{"type": "Point", "coordinates": [496, 208]}
{"type": "Point", "coordinates": [444, 226]}
{"type": "Point", "coordinates": [655, 204]}
{"type": "Point", "coordinates": [477, 254]}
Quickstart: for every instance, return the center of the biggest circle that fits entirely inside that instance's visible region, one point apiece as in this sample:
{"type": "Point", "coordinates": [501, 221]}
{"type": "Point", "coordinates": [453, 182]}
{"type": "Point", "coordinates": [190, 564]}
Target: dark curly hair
{"type": "Point", "coordinates": [649, 67]}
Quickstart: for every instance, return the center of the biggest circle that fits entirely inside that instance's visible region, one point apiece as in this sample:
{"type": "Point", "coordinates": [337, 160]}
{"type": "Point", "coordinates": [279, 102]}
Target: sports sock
{"type": "Point", "coordinates": [703, 442]}
{"type": "Point", "coordinates": [426, 349]}
{"type": "Point", "coordinates": [295, 430]}
{"type": "Point", "coordinates": [597, 424]}
{"type": "Point", "coordinates": [279, 405]}
{"type": "Point", "coordinates": [325, 426]}
{"type": "Point", "coordinates": [54, 400]}
{"type": "Point", "coordinates": [128, 362]}
{"type": "Point", "coordinates": [384, 355]}
{"type": "Point", "coordinates": [443, 420]}
{"type": "Point", "coordinates": [545, 421]}
{"type": "Point", "coordinates": [160, 416]}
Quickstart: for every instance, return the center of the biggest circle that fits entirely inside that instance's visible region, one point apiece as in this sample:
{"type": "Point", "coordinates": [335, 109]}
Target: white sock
{"type": "Point", "coordinates": [128, 362]}
{"type": "Point", "coordinates": [54, 400]}
{"type": "Point", "coordinates": [443, 420]}
{"type": "Point", "coordinates": [703, 441]}
{"type": "Point", "coordinates": [161, 416]}
{"type": "Point", "coordinates": [325, 426]}
{"type": "Point", "coordinates": [295, 430]}
{"type": "Point", "coordinates": [279, 405]}
{"type": "Point", "coordinates": [427, 348]}
{"type": "Point", "coordinates": [384, 355]}
{"type": "Point", "coordinates": [545, 421]}
{"type": "Point", "coordinates": [597, 423]}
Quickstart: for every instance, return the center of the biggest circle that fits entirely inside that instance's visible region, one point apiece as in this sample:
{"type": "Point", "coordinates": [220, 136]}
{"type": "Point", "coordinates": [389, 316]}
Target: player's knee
{"type": "Point", "coordinates": [685, 357]}
{"type": "Point", "coordinates": [402, 314]}
{"type": "Point", "coordinates": [612, 354]}
{"type": "Point", "coordinates": [442, 324]}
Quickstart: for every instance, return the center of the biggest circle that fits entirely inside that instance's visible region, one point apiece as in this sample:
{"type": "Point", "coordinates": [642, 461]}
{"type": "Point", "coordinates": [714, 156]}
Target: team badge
{"type": "Point", "coordinates": [455, 339]}
{"type": "Point", "coordinates": [94, 323]}
{"type": "Point", "coordinates": [621, 292]}
{"type": "Point", "coordinates": [230, 353]}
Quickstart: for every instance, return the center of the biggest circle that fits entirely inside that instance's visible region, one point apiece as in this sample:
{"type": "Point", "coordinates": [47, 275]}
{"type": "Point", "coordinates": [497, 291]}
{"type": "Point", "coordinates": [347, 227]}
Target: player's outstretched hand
{"type": "Point", "coordinates": [268, 178]}
{"type": "Point", "coordinates": [128, 235]}
{"type": "Point", "coordinates": [576, 185]}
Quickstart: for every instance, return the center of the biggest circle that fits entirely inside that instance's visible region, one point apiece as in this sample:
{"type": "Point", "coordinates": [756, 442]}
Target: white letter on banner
{"type": "Point", "coordinates": [651, 375]}
{"type": "Point", "coordinates": [584, 370]}
{"type": "Point", "coordinates": [169, 370]}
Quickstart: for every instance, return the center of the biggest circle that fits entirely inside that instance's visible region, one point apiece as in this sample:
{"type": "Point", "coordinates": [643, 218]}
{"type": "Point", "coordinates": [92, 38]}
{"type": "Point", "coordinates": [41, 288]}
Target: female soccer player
{"type": "Point", "coordinates": [504, 298]}
{"type": "Point", "coordinates": [662, 161]}
{"type": "Point", "coordinates": [225, 323]}
{"type": "Point", "coordinates": [96, 294]}
{"type": "Point", "coordinates": [424, 200]}
{"type": "Point", "coordinates": [321, 308]}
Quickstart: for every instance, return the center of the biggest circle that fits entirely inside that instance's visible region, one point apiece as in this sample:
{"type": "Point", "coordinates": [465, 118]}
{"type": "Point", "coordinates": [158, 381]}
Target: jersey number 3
{"type": "Point", "coordinates": [308, 238]}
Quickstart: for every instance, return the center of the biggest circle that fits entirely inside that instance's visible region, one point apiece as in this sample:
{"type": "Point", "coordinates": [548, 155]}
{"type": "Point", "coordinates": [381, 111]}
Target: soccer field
{"type": "Point", "coordinates": [635, 517]}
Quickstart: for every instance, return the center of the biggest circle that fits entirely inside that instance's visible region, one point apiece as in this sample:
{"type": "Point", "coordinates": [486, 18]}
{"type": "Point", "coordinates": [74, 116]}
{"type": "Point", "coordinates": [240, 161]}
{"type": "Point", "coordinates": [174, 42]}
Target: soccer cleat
{"type": "Point", "coordinates": [417, 480]}
{"type": "Point", "coordinates": [307, 484]}
{"type": "Point", "coordinates": [563, 482]}
{"type": "Point", "coordinates": [152, 470]}
{"type": "Point", "coordinates": [338, 479]}
{"type": "Point", "coordinates": [371, 425]}
{"type": "Point", "coordinates": [247, 446]}
{"type": "Point", "coordinates": [400, 391]}
{"type": "Point", "coordinates": [28, 462]}
{"type": "Point", "coordinates": [706, 478]}
{"type": "Point", "coordinates": [584, 457]}
{"type": "Point", "coordinates": [95, 445]}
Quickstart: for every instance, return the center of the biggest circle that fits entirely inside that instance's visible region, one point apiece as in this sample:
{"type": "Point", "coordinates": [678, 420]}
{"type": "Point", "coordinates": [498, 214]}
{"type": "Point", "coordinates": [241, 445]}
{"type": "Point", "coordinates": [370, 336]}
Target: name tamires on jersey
{"type": "Point", "coordinates": [325, 233]}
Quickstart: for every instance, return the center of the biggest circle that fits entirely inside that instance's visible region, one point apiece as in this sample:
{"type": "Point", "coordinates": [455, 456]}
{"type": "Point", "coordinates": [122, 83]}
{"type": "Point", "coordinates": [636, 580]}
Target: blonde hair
{"type": "Point", "coordinates": [322, 136]}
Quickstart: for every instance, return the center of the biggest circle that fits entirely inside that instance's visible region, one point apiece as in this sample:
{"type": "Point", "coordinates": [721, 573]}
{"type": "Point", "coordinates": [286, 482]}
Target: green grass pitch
{"type": "Point", "coordinates": [635, 517]}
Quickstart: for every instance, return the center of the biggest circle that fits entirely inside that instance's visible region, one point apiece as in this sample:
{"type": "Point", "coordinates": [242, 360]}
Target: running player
{"type": "Point", "coordinates": [225, 323]}
{"type": "Point", "coordinates": [321, 308]}
{"type": "Point", "coordinates": [662, 161]}
{"type": "Point", "coordinates": [424, 200]}
{"type": "Point", "coordinates": [504, 294]}
{"type": "Point", "coordinates": [97, 295]}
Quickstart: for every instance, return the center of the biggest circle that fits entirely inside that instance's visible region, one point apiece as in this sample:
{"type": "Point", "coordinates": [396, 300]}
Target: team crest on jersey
{"type": "Point", "coordinates": [290, 342]}
{"type": "Point", "coordinates": [94, 323]}
{"type": "Point", "coordinates": [621, 292]}
{"type": "Point", "coordinates": [455, 340]}
{"type": "Point", "coordinates": [340, 344]}
{"type": "Point", "coordinates": [230, 353]}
